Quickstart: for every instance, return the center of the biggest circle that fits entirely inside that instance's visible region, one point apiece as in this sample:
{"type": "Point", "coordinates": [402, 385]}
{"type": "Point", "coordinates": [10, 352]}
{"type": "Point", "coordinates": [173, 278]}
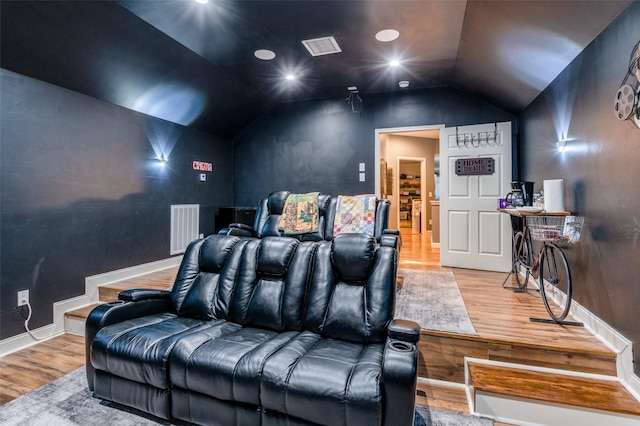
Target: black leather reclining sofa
{"type": "Point", "coordinates": [270, 210]}
{"type": "Point", "coordinates": [271, 331]}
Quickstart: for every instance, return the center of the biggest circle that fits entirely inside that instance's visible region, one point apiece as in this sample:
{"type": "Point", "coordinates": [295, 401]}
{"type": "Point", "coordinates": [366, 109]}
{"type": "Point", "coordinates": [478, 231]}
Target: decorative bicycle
{"type": "Point", "coordinates": [554, 274]}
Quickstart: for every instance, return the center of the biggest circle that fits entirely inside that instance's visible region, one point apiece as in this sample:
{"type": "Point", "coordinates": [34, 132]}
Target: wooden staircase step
{"type": "Point", "coordinates": [548, 387]}
{"type": "Point", "coordinates": [160, 280]}
{"type": "Point", "coordinates": [81, 314]}
{"type": "Point", "coordinates": [442, 355]}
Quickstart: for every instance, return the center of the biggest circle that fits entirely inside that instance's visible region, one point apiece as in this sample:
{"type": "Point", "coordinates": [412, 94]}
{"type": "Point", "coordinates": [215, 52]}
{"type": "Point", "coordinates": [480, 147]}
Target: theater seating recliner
{"type": "Point", "coordinates": [268, 331]}
{"type": "Point", "coordinates": [270, 210]}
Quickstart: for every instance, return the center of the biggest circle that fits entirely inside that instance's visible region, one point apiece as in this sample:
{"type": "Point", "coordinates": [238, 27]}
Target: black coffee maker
{"type": "Point", "coordinates": [526, 188]}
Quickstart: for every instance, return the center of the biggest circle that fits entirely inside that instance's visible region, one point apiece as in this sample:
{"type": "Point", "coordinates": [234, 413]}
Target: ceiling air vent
{"type": "Point", "coordinates": [322, 46]}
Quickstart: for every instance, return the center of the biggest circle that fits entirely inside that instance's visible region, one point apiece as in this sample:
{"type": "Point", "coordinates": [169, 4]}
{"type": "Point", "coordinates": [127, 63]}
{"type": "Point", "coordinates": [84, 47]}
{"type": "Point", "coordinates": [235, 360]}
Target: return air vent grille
{"type": "Point", "coordinates": [322, 46]}
{"type": "Point", "coordinates": [185, 226]}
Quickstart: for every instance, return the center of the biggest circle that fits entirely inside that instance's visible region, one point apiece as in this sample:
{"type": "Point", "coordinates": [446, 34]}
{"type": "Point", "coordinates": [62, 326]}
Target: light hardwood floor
{"type": "Point", "coordinates": [28, 369]}
{"type": "Point", "coordinates": [498, 315]}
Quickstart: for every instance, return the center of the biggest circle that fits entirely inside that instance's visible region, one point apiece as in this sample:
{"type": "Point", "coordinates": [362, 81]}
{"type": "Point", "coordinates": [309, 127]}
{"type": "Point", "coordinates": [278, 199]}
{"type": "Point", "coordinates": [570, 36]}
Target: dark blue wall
{"type": "Point", "coordinates": [317, 145]}
{"type": "Point", "coordinates": [600, 168]}
{"type": "Point", "coordinates": [82, 192]}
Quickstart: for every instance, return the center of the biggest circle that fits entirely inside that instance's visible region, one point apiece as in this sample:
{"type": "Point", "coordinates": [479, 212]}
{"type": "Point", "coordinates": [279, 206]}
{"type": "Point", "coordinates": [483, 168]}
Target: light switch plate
{"type": "Point", "coordinates": [361, 177]}
{"type": "Point", "coordinates": [361, 167]}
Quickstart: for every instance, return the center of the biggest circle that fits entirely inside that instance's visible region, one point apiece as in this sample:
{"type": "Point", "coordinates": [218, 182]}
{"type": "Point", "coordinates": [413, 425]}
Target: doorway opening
{"type": "Point", "coordinates": [407, 177]}
{"type": "Point", "coordinates": [411, 192]}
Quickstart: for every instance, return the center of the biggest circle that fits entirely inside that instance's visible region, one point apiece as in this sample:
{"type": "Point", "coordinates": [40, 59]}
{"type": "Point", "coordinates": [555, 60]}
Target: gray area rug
{"type": "Point", "coordinates": [433, 300]}
{"type": "Point", "coordinates": [68, 402]}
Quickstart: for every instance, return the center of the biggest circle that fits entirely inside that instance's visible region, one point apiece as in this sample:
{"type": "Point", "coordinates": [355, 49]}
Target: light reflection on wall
{"type": "Point", "coordinates": [172, 102]}
{"type": "Point", "coordinates": [162, 137]}
{"type": "Point", "coordinates": [561, 102]}
{"type": "Point", "coordinates": [537, 57]}
{"type": "Point", "coordinates": [576, 147]}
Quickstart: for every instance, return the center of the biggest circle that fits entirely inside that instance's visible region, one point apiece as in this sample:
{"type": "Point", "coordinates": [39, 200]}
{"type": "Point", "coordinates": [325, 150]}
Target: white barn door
{"type": "Point", "coordinates": [473, 233]}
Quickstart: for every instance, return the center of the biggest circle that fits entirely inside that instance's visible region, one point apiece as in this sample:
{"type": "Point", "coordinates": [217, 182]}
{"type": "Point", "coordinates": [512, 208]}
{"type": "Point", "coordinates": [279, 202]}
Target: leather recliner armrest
{"type": "Point", "coordinates": [241, 226]}
{"type": "Point", "coordinates": [400, 373]}
{"type": "Point", "coordinates": [115, 312]}
{"type": "Point", "coordinates": [137, 294]}
{"type": "Point", "coordinates": [391, 240]}
{"type": "Point", "coordinates": [239, 230]}
{"type": "Point", "coordinates": [404, 330]}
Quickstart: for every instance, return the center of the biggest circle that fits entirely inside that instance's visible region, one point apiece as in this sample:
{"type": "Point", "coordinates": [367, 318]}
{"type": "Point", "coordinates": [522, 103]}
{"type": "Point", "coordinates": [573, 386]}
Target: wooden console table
{"type": "Point", "coordinates": [523, 213]}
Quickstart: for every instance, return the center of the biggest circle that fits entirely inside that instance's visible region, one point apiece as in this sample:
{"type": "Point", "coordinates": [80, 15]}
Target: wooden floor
{"type": "Point", "coordinates": [30, 368]}
{"type": "Point", "coordinates": [499, 316]}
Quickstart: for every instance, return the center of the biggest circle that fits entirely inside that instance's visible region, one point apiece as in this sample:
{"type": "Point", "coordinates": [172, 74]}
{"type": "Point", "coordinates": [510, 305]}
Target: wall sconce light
{"type": "Point", "coordinates": [162, 160]}
{"type": "Point", "coordinates": [561, 144]}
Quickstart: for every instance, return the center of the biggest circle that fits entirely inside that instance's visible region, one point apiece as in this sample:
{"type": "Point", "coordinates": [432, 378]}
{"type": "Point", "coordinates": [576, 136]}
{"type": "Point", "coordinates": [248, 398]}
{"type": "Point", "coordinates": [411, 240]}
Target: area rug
{"type": "Point", "coordinates": [68, 402]}
{"type": "Point", "coordinates": [433, 300]}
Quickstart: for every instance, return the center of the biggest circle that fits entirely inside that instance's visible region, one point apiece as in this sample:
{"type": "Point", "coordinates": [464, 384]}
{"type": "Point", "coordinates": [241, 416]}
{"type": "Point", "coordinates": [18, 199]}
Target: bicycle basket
{"type": "Point", "coordinates": [555, 228]}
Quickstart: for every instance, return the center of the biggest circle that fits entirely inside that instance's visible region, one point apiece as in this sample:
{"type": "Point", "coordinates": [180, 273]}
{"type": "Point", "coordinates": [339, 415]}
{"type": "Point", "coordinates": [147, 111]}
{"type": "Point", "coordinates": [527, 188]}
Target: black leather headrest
{"type": "Point", "coordinates": [275, 201]}
{"type": "Point", "coordinates": [215, 251]}
{"type": "Point", "coordinates": [274, 255]}
{"type": "Point", "coordinates": [352, 256]}
{"type": "Point", "coordinates": [323, 204]}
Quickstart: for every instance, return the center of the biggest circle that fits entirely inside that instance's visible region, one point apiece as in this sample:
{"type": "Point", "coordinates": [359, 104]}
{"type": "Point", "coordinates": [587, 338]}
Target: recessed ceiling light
{"type": "Point", "coordinates": [387, 35]}
{"type": "Point", "coordinates": [352, 88]}
{"type": "Point", "coordinates": [403, 84]}
{"type": "Point", "coordinates": [264, 54]}
{"type": "Point", "coordinates": [290, 77]}
{"type": "Point", "coordinates": [202, 1]}
{"type": "Point", "coordinates": [394, 63]}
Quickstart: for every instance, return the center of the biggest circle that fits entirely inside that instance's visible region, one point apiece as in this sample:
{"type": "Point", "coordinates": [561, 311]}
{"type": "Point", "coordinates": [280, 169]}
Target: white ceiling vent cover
{"type": "Point", "coordinates": [322, 46]}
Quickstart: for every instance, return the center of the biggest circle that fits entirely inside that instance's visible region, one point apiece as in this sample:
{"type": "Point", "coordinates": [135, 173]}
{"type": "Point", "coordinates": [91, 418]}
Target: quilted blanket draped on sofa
{"type": "Point", "coordinates": [300, 214]}
{"type": "Point", "coordinates": [355, 214]}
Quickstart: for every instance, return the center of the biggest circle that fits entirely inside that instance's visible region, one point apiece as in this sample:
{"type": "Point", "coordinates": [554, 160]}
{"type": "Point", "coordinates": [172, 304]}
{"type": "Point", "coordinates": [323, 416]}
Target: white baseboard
{"type": "Point", "coordinates": [529, 412]}
{"type": "Point", "coordinates": [622, 346]}
{"type": "Point", "coordinates": [526, 412]}
{"type": "Point", "coordinates": [615, 341]}
{"type": "Point", "coordinates": [442, 383]}
{"type": "Point", "coordinates": [90, 296]}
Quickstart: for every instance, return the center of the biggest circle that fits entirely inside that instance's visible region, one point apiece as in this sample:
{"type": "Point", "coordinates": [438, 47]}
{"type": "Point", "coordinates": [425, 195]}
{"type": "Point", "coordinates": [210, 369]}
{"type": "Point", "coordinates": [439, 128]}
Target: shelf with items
{"type": "Point", "coordinates": [409, 190]}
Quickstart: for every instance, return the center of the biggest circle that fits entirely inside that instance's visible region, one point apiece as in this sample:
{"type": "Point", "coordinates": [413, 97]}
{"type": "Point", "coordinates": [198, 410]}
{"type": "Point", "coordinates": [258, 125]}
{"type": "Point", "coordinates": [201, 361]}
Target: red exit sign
{"type": "Point", "coordinates": [201, 166]}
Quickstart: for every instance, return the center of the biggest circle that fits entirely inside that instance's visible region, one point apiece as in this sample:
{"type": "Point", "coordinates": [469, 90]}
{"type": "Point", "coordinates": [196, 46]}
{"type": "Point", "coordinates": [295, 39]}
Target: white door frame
{"type": "Point", "coordinates": [376, 145]}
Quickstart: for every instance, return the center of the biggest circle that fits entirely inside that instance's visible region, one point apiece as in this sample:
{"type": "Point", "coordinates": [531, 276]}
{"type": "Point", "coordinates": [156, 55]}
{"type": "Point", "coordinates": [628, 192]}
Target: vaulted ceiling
{"type": "Point", "coordinates": [194, 63]}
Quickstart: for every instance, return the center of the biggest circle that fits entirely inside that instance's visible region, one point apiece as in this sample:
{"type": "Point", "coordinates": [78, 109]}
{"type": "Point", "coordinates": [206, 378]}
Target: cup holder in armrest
{"type": "Point", "coordinates": [400, 346]}
{"type": "Point", "coordinates": [116, 302]}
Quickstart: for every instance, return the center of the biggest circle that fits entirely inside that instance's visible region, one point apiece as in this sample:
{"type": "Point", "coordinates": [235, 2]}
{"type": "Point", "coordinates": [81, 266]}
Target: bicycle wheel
{"type": "Point", "coordinates": [555, 282]}
{"type": "Point", "coordinates": [521, 256]}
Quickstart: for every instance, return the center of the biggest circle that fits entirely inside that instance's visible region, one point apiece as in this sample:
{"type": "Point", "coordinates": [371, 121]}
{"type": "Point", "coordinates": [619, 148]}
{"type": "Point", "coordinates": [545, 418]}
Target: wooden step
{"type": "Point", "coordinates": [74, 321]}
{"type": "Point", "coordinates": [160, 280]}
{"type": "Point", "coordinates": [442, 355]}
{"type": "Point", "coordinates": [81, 313]}
{"type": "Point", "coordinates": [553, 388]}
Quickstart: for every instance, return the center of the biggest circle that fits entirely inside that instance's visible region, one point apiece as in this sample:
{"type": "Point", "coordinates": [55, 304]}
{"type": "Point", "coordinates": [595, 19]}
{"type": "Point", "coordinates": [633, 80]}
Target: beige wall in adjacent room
{"type": "Point", "coordinates": [406, 146]}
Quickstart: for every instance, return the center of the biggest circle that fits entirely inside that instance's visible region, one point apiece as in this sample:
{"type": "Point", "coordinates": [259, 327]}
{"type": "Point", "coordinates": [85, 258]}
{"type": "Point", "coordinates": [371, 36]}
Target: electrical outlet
{"type": "Point", "coordinates": [23, 297]}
